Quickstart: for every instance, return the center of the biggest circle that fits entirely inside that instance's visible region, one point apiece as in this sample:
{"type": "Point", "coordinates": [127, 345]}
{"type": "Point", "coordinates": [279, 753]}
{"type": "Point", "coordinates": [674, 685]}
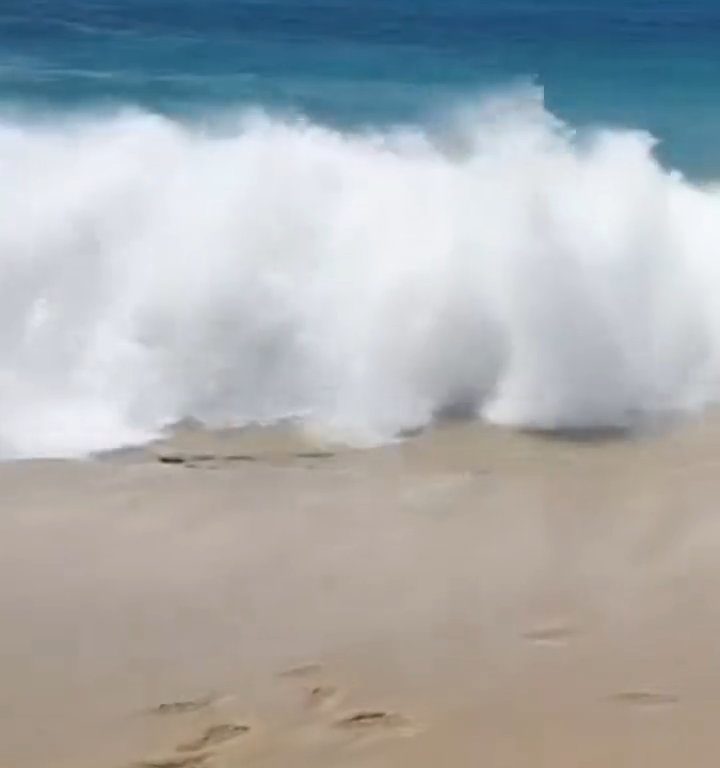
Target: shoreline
{"type": "Point", "coordinates": [470, 596]}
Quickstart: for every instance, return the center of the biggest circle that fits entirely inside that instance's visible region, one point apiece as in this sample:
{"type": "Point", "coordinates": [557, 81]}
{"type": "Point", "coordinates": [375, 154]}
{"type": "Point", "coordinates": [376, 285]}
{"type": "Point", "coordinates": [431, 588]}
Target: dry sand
{"type": "Point", "coordinates": [470, 598]}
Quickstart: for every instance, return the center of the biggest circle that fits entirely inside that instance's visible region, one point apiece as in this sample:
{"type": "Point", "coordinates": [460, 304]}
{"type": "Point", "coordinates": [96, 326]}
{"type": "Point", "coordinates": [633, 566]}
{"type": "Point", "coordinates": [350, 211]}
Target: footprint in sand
{"type": "Point", "coordinates": [199, 750]}
{"type": "Point", "coordinates": [323, 697]}
{"type": "Point", "coordinates": [644, 699]}
{"type": "Point", "coordinates": [188, 705]}
{"type": "Point", "coordinates": [302, 671]}
{"type": "Point", "coordinates": [214, 736]}
{"type": "Point", "coordinates": [187, 761]}
{"type": "Point", "coordinates": [371, 721]}
{"type": "Point", "coordinates": [319, 695]}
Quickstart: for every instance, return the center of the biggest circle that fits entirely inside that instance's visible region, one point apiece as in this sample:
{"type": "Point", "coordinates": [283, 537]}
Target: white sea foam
{"type": "Point", "coordinates": [152, 271]}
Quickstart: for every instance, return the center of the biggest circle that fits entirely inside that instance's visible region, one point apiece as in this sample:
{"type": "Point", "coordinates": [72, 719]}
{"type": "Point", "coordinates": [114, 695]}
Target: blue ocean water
{"type": "Point", "coordinates": [649, 64]}
{"type": "Point", "coordinates": [355, 214]}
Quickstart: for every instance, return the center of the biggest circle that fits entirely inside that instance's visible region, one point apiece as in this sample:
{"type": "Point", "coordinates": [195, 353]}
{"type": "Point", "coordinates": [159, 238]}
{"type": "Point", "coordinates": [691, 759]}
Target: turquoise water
{"type": "Point", "coordinates": [649, 64]}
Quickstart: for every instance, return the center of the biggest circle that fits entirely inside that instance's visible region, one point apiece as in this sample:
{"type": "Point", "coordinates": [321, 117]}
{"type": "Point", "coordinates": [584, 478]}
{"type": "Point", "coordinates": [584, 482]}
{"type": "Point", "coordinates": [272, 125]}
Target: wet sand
{"type": "Point", "coordinates": [471, 597]}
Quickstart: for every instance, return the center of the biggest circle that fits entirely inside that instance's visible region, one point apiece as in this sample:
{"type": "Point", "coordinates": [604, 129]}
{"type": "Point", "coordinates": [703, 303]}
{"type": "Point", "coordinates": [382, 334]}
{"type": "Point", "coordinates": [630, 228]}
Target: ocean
{"type": "Point", "coordinates": [357, 215]}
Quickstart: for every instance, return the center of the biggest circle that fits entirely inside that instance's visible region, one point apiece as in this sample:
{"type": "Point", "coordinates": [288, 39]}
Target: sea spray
{"type": "Point", "coordinates": [259, 268]}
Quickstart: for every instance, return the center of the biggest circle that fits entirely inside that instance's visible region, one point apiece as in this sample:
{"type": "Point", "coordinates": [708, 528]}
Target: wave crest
{"type": "Point", "coordinates": [152, 271]}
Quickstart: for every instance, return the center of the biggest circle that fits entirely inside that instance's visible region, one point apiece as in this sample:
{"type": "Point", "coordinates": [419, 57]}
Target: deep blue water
{"type": "Point", "coordinates": [651, 64]}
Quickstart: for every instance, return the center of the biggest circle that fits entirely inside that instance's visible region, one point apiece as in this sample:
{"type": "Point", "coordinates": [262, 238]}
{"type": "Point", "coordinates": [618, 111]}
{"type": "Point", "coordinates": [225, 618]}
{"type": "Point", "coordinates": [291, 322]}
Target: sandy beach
{"type": "Point", "coordinates": [470, 597]}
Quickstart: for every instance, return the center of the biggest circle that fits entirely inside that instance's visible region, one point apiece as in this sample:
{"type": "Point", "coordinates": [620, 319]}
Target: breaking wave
{"type": "Point", "coordinates": [266, 268]}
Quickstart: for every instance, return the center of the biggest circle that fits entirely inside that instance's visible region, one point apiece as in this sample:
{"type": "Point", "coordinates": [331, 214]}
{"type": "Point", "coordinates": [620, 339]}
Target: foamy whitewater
{"type": "Point", "coordinates": [261, 269]}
